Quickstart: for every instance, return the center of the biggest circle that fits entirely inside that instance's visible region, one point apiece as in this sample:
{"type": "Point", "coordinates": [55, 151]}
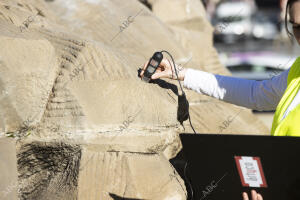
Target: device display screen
{"type": "Point", "coordinates": [151, 69]}
{"type": "Point", "coordinates": [153, 62]}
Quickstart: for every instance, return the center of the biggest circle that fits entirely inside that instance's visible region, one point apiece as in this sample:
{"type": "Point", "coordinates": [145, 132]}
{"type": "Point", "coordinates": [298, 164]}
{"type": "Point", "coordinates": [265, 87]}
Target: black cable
{"type": "Point", "coordinates": [183, 93]}
{"type": "Point", "coordinates": [190, 185]}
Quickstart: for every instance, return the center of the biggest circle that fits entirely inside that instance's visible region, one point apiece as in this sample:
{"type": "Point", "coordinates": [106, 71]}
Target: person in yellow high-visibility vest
{"type": "Point", "coordinates": [280, 92]}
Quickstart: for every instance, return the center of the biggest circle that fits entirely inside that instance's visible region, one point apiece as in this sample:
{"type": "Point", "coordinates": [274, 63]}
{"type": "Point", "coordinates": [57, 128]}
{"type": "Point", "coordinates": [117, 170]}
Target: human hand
{"type": "Point", "coordinates": [166, 70]}
{"type": "Point", "coordinates": [254, 194]}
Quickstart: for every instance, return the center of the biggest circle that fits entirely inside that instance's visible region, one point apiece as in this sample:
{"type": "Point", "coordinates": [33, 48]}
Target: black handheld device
{"type": "Point", "coordinates": [183, 104]}
{"type": "Point", "coordinates": [153, 64]}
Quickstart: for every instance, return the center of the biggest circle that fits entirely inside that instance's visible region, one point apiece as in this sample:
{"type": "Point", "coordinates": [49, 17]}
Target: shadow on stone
{"type": "Point", "coordinates": [116, 197]}
{"type": "Point", "coordinates": [183, 104]}
{"type": "Point", "coordinates": [181, 166]}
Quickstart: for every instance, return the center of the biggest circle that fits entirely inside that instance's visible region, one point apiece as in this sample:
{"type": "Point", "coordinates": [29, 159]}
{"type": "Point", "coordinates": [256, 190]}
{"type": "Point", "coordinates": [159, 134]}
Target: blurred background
{"type": "Point", "coordinates": [251, 39]}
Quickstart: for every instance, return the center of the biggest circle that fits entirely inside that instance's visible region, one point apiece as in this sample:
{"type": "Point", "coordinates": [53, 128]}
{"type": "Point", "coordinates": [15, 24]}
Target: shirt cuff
{"type": "Point", "coordinates": [187, 77]}
{"type": "Point", "coordinates": [194, 78]}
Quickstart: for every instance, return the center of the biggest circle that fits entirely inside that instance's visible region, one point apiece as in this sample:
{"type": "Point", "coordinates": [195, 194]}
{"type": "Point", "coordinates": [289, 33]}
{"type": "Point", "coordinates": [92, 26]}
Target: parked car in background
{"type": "Point", "coordinates": [233, 21]}
{"type": "Point", "coordinates": [264, 27]}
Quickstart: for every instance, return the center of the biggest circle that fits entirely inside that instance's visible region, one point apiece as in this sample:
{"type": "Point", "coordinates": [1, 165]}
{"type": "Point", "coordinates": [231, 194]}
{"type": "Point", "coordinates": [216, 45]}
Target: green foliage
{"type": "Point", "coordinates": [23, 132]}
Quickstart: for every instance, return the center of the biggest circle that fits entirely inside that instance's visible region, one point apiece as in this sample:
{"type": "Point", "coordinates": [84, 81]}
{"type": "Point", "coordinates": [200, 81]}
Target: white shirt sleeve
{"type": "Point", "coordinates": [257, 95]}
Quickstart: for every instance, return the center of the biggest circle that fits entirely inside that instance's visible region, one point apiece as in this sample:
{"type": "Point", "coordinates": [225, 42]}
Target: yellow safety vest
{"type": "Point", "coordinates": [290, 125]}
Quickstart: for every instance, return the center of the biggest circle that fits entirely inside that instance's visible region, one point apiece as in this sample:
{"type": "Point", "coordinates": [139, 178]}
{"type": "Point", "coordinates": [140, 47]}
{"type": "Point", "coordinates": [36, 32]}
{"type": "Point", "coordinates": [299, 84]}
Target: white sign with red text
{"type": "Point", "coordinates": [250, 171]}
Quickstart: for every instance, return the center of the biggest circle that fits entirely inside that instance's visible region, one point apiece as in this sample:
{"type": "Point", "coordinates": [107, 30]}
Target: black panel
{"type": "Point", "coordinates": [211, 157]}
